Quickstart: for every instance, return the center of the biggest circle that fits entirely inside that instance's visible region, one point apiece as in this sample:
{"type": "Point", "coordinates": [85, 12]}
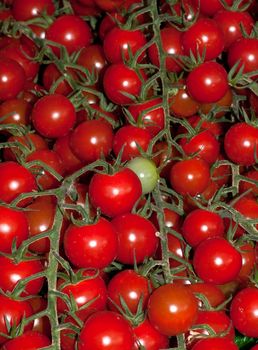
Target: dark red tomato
{"type": "Point", "coordinates": [232, 23]}
{"type": "Point", "coordinates": [106, 330]}
{"type": "Point", "coordinates": [92, 140]}
{"type": "Point", "coordinates": [30, 140]}
{"type": "Point", "coordinates": [32, 8]}
{"type": "Point", "coordinates": [203, 37]}
{"type": "Point", "coordinates": [53, 116]}
{"type": "Point", "coordinates": [44, 178]}
{"type": "Point", "coordinates": [30, 340]}
{"type": "Point", "coordinates": [41, 324]}
{"type": "Point", "coordinates": [15, 111]}
{"type": "Point", "coordinates": [13, 311]}
{"type": "Point", "coordinates": [5, 14]}
{"type": "Point", "coordinates": [120, 80]}
{"type": "Point", "coordinates": [149, 338]}
{"type": "Point", "coordinates": [13, 272]}
{"type": "Point", "coordinates": [90, 289]}
{"type": "Point", "coordinates": [240, 143]}
{"type": "Point", "coordinates": [210, 291]}
{"type": "Point", "coordinates": [172, 219]}
{"type": "Point", "coordinates": [248, 261]}
{"type": "Point", "coordinates": [12, 78]}
{"type": "Point", "coordinates": [254, 347]}
{"type": "Point", "coordinates": [108, 22]}
{"type": "Point", "coordinates": [119, 42]}
{"type": "Point", "coordinates": [204, 145]}
{"type": "Point", "coordinates": [224, 103]}
{"type": "Point", "coordinates": [217, 320]}
{"type": "Point", "coordinates": [149, 114]}
{"type": "Point", "coordinates": [213, 127]}
{"type": "Point", "coordinates": [210, 7]}
{"type": "Point", "coordinates": [221, 343]}
{"type": "Point", "coordinates": [131, 287]}
{"type": "Point", "coordinates": [89, 9]}
{"type": "Point", "coordinates": [171, 40]}
{"type": "Point", "coordinates": [190, 176]}
{"type": "Point", "coordinates": [182, 105]}
{"type": "Point", "coordinates": [93, 58]}
{"type": "Point", "coordinates": [253, 99]}
{"type": "Point", "coordinates": [23, 55]}
{"type": "Point", "coordinates": [221, 173]}
{"type": "Point", "coordinates": [244, 311]}
{"type": "Point", "coordinates": [201, 224]}
{"type": "Point", "coordinates": [216, 261]}
{"type": "Point", "coordinates": [71, 31]}
{"type": "Point", "coordinates": [115, 194]}
{"type": "Point", "coordinates": [40, 215]}
{"type": "Point", "coordinates": [137, 238]}
{"type": "Point", "coordinates": [208, 82]}
{"type": "Point", "coordinates": [70, 162]}
{"type": "Point", "coordinates": [172, 309]}
{"type": "Point", "coordinates": [15, 180]}
{"type": "Point", "coordinates": [130, 140]}
{"type": "Point", "coordinates": [114, 5]}
{"type": "Point", "coordinates": [244, 50]}
{"type": "Point", "coordinates": [91, 245]}
{"type": "Point", "coordinates": [68, 337]}
{"type": "Point", "coordinates": [52, 77]}
{"type": "Point", "coordinates": [175, 247]}
{"type": "Point", "coordinates": [13, 227]}
{"type": "Point", "coordinates": [96, 112]}
{"type": "Point", "coordinates": [248, 186]}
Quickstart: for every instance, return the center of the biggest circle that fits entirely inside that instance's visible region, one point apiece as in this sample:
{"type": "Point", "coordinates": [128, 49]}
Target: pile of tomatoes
{"type": "Point", "coordinates": [128, 174]}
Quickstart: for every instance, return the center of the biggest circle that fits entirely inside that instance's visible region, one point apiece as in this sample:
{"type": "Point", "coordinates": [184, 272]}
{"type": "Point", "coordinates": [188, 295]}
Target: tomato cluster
{"type": "Point", "coordinates": [128, 174]}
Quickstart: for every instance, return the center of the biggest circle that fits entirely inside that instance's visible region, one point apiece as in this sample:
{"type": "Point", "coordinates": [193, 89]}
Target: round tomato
{"type": "Point", "coordinates": [215, 344]}
{"type": "Point", "coordinates": [22, 11]}
{"type": "Point", "coordinates": [30, 340]}
{"type": "Point", "coordinates": [172, 309]}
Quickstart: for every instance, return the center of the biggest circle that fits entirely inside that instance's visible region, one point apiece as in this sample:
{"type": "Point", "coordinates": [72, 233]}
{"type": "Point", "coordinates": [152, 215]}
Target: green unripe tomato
{"type": "Point", "coordinates": [147, 172]}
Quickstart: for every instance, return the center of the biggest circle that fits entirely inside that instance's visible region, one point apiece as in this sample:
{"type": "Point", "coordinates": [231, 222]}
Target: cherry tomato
{"type": "Point", "coordinates": [91, 245]}
{"type": "Point", "coordinates": [13, 228]}
{"type": "Point", "coordinates": [115, 194]}
{"type": "Point", "coordinates": [30, 340]}
{"type": "Point", "coordinates": [17, 112]}
{"type": "Point", "coordinates": [216, 261]}
{"type": "Point", "coordinates": [244, 311]}
{"type": "Point", "coordinates": [53, 116]}
{"type": "Point", "coordinates": [207, 83]}
{"type": "Point", "coordinates": [172, 309]}
{"type": "Point", "coordinates": [221, 343]}
{"type": "Point", "coordinates": [131, 287]}
{"type": "Point", "coordinates": [12, 78]}
{"type": "Point", "coordinates": [137, 239]}
{"type": "Point", "coordinates": [210, 291]}
{"type": "Point", "coordinates": [210, 7]}
{"type": "Point", "coordinates": [106, 330]}
{"type": "Point", "coordinates": [32, 8]}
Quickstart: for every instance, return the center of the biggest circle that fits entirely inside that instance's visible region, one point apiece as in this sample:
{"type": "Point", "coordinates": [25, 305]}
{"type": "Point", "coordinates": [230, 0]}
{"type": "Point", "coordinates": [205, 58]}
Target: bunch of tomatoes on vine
{"type": "Point", "coordinates": [128, 174]}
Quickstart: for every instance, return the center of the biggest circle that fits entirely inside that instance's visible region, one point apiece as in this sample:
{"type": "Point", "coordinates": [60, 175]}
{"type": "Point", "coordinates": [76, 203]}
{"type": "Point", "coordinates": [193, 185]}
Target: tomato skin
{"type": "Point", "coordinates": [244, 50]}
{"type": "Point", "coordinates": [230, 23]}
{"type": "Point", "coordinates": [12, 78]}
{"type": "Point", "coordinates": [15, 310]}
{"type": "Point", "coordinates": [213, 293]}
{"type": "Point", "coordinates": [92, 245]}
{"type": "Point", "coordinates": [171, 39]}
{"type": "Point", "coordinates": [210, 7]}
{"type": "Point", "coordinates": [53, 116]}
{"type": "Point", "coordinates": [201, 224]}
{"type": "Point", "coordinates": [204, 145]}
{"type": "Point", "coordinates": [18, 111]}
{"type": "Point", "coordinates": [148, 115]}
{"type": "Point", "coordinates": [208, 82]}
{"type": "Point", "coordinates": [190, 176]}
{"type": "Point", "coordinates": [172, 309]}
{"type": "Point", "coordinates": [83, 292]}
{"type": "Point", "coordinates": [41, 324]}
{"type": "Point", "coordinates": [149, 337]}
{"type": "Point", "coordinates": [137, 238]}
{"type": "Point", "coordinates": [13, 225]}
{"type": "Point", "coordinates": [30, 340]}
{"type": "Point", "coordinates": [91, 139]}
{"type": "Point", "coordinates": [14, 272]}
{"type": "Point", "coordinates": [245, 186]}
{"type": "Point", "coordinates": [182, 104]}
{"type": "Point", "coordinates": [45, 180]}
{"type": "Point", "coordinates": [215, 344]}
{"type": "Point", "coordinates": [248, 261]}
{"type": "Point", "coordinates": [11, 172]}
{"type": "Point", "coordinates": [240, 143]}
{"type": "Point", "coordinates": [115, 194]}
{"type": "Point", "coordinates": [106, 330]}
{"type": "Point", "coordinates": [70, 31]}
{"type": "Point", "coordinates": [93, 58]}
{"type": "Point", "coordinates": [128, 138]}
{"type": "Point", "coordinates": [117, 42]}
{"type": "Point", "coordinates": [119, 79]}
{"type": "Point", "coordinates": [216, 261]}
{"type": "Point", "coordinates": [132, 287]}
{"type": "Point", "coordinates": [204, 34]}
{"type": "Point", "coordinates": [32, 8]}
